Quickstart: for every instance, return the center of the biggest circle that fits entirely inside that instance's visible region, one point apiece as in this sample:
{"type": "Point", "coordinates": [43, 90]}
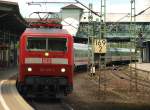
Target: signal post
{"type": "Point", "coordinates": [101, 44]}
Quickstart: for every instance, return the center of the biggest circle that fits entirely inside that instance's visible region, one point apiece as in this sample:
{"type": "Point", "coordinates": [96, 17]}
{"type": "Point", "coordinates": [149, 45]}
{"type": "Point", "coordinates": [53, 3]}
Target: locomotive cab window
{"type": "Point", "coordinates": [46, 44]}
{"type": "Point", "coordinates": [36, 44]}
{"type": "Point", "coordinates": [57, 44]}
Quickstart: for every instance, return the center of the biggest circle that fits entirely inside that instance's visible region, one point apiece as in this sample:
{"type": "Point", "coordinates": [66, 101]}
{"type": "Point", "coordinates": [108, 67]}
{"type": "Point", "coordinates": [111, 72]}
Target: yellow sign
{"type": "Point", "coordinates": [100, 45]}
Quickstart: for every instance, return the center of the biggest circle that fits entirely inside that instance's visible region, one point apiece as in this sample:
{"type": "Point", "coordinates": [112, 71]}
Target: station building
{"type": "Point", "coordinates": [11, 27]}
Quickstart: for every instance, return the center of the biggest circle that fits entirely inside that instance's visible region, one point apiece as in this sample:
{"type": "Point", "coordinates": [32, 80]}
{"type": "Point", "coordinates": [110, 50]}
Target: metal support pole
{"type": "Point", "coordinates": [90, 35]}
{"type": "Point", "coordinates": [133, 35]}
{"type": "Point", "coordinates": [102, 58]}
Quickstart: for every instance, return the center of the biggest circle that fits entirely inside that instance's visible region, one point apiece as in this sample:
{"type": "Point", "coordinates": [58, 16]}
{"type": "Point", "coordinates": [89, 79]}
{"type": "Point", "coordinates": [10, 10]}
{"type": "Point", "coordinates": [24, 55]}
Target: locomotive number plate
{"type": "Point", "coordinates": [46, 60]}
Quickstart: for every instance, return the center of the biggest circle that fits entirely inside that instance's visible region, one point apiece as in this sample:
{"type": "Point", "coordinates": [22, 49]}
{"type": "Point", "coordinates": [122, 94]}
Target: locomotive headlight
{"type": "Point", "coordinates": [46, 54]}
{"type": "Point", "coordinates": [29, 69]}
{"type": "Point", "coordinates": [63, 70]}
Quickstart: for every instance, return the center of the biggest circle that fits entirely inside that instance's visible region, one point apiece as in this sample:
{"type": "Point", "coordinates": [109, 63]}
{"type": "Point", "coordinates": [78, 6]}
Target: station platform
{"type": "Point", "coordinates": [6, 73]}
{"type": "Point", "coordinates": [141, 66]}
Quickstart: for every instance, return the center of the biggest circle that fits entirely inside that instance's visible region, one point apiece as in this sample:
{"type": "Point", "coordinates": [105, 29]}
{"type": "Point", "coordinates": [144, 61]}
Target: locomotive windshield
{"type": "Point", "coordinates": [36, 44]}
{"type": "Point", "coordinates": [46, 44]}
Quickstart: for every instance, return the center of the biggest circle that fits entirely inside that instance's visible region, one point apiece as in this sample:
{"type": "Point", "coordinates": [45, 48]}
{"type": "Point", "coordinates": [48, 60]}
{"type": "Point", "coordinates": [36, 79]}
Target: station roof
{"type": "Point", "coordinates": [10, 18]}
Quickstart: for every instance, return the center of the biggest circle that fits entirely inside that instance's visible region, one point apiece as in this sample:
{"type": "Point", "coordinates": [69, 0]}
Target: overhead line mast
{"type": "Point", "coordinates": [102, 56]}
{"type": "Point", "coordinates": [91, 38]}
{"type": "Point", "coordinates": [133, 36]}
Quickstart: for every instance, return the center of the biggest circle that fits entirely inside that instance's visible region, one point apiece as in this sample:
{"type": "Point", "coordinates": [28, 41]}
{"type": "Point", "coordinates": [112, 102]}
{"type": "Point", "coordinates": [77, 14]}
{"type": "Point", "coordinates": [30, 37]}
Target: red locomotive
{"type": "Point", "coordinates": [45, 62]}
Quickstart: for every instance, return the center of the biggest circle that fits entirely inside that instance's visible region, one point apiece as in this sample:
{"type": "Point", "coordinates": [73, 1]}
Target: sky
{"type": "Point", "coordinates": [113, 6]}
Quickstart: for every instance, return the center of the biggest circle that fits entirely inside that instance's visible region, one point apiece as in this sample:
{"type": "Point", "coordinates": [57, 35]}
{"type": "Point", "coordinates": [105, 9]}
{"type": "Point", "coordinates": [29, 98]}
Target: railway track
{"type": "Point", "coordinates": [48, 104]}
{"type": "Point", "coordinates": [102, 80]}
{"type": "Point", "coordinates": [116, 79]}
{"type": "Point", "coordinates": [124, 75]}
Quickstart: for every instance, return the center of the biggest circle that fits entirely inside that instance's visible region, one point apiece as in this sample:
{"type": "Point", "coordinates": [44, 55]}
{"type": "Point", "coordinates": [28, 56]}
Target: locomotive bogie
{"type": "Point", "coordinates": [49, 86]}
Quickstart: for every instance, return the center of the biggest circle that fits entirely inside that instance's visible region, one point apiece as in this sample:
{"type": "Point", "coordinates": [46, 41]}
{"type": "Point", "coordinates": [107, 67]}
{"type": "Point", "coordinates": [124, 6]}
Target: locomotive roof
{"type": "Point", "coordinates": [46, 30]}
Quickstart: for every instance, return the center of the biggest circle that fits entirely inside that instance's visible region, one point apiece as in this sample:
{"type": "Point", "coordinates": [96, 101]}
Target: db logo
{"type": "Point", "coordinates": [46, 60]}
